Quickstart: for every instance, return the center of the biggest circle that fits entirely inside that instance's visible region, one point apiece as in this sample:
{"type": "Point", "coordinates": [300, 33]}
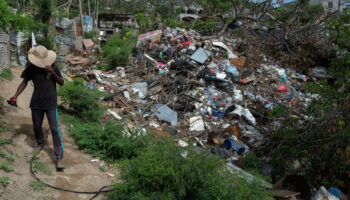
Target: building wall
{"type": "Point", "coordinates": [4, 50]}
{"type": "Point", "coordinates": [331, 5]}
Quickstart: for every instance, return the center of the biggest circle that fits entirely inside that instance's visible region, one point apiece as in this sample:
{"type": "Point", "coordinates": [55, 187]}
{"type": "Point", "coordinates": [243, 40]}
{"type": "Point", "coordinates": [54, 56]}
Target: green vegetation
{"type": "Point", "coordinates": [91, 34]}
{"type": "Point", "coordinates": [6, 74]}
{"type": "Point", "coordinates": [156, 168]}
{"type": "Point", "coordinates": [6, 167]}
{"type": "Point", "coordinates": [5, 141]}
{"type": "Point", "coordinates": [110, 142]}
{"type": "Point", "coordinates": [340, 30]}
{"type": "Point", "coordinates": [3, 127]}
{"type": "Point", "coordinates": [323, 139]}
{"type": "Point", "coordinates": [16, 21]}
{"type": "Point", "coordinates": [37, 186]}
{"type": "Point", "coordinates": [207, 25]}
{"type": "Point", "coordinates": [44, 8]}
{"type": "Point", "coordinates": [142, 21]}
{"type": "Point", "coordinates": [7, 157]}
{"type": "Point", "coordinates": [118, 50]}
{"type": "Point", "coordinates": [4, 181]}
{"type": "Point", "coordinates": [103, 168]}
{"type": "Point", "coordinates": [252, 162]}
{"type": "Point", "coordinates": [39, 166]}
{"type": "Point", "coordinates": [82, 101]}
{"type": "Point", "coordinates": [276, 112]}
{"type": "Point", "coordinates": [163, 170]}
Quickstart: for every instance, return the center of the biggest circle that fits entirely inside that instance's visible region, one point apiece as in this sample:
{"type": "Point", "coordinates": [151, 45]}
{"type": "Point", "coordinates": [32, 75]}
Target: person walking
{"type": "Point", "coordinates": [41, 69]}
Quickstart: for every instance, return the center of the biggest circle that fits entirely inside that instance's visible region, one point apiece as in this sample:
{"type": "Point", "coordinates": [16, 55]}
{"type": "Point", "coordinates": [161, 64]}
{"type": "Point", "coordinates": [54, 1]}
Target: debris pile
{"type": "Point", "coordinates": [200, 88]}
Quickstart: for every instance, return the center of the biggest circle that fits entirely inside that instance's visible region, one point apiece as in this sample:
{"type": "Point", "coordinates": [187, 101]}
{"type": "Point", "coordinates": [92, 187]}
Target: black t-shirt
{"type": "Point", "coordinates": [44, 95]}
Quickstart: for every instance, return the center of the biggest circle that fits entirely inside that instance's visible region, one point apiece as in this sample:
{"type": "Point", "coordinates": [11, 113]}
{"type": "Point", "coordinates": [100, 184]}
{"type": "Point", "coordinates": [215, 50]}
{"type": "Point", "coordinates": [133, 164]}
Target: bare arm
{"type": "Point", "coordinates": [20, 89]}
{"type": "Point", "coordinates": [59, 80]}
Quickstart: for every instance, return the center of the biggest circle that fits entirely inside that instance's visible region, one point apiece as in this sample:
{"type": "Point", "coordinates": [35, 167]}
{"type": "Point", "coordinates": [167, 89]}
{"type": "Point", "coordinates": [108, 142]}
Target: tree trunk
{"type": "Point", "coordinates": [97, 15]}
{"type": "Point", "coordinates": [81, 19]}
{"type": "Point", "coordinates": [67, 9]}
{"type": "Point", "coordinates": [89, 8]}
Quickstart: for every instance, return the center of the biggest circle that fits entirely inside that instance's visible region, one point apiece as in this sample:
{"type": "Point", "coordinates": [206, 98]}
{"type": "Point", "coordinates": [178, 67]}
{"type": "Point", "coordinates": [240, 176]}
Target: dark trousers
{"type": "Point", "coordinates": [52, 116]}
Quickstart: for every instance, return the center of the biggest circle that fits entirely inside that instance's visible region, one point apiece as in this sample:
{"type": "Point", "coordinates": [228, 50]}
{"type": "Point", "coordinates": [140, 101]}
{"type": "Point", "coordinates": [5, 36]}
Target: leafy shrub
{"type": "Point", "coordinates": [44, 9]}
{"type": "Point", "coordinates": [46, 41]}
{"type": "Point", "coordinates": [108, 142]}
{"type": "Point", "coordinates": [276, 112]}
{"type": "Point", "coordinates": [208, 25]}
{"type": "Point", "coordinates": [163, 170]}
{"type": "Point", "coordinates": [252, 162]}
{"type": "Point", "coordinates": [6, 74]}
{"type": "Point", "coordinates": [16, 21]}
{"type": "Point", "coordinates": [82, 100]}
{"type": "Point", "coordinates": [90, 34]}
{"type": "Point", "coordinates": [118, 49]}
{"type": "Point", "coordinates": [142, 21]}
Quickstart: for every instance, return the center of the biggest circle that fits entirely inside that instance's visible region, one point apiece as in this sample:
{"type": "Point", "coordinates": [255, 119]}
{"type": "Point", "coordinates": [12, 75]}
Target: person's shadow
{"type": "Point", "coordinates": [27, 130]}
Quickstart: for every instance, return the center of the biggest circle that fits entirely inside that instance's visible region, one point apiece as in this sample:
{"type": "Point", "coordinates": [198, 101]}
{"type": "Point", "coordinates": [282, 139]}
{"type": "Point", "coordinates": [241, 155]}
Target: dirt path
{"type": "Point", "coordinates": [80, 174]}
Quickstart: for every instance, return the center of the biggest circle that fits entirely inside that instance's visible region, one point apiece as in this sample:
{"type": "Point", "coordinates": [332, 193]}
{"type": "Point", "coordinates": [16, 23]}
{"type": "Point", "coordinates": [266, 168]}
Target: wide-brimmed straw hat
{"type": "Point", "coordinates": [41, 57]}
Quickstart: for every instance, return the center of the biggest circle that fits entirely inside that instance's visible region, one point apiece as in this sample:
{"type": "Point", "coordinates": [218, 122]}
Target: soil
{"type": "Point", "coordinates": [80, 173]}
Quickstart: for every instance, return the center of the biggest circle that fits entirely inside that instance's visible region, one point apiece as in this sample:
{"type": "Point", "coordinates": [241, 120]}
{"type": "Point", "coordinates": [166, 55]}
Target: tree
{"type": "Point", "coordinates": [15, 20]}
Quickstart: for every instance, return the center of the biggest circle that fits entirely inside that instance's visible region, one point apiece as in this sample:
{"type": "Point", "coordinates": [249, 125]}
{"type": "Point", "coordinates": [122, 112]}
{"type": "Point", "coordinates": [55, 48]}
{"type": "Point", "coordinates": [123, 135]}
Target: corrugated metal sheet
{"type": "Point", "coordinates": [4, 51]}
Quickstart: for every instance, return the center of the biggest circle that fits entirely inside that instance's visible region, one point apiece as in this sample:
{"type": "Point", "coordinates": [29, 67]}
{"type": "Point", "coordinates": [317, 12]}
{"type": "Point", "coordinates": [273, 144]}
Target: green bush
{"type": "Point", "coordinates": [108, 142]}
{"type": "Point", "coordinates": [44, 9]}
{"type": "Point", "coordinates": [118, 50]}
{"type": "Point", "coordinates": [163, 170]}
{"type": "Point", "coordinates": [91, 34]}
{"type": "Point", "coordinates": [6, 74]}
{"type": "Point", "coordinates": [16, 21]}
{"type": "Point", "coordinates": [252, 162]}
{"type": "Point", "coordinates": [208, 25]}
{"type": "Point", "coordinates": [82, 100]}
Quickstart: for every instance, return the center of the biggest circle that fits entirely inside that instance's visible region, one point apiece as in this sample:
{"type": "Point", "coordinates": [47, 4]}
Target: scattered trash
{"type": "Point", "coordinates": [110, 174]}
{"type": "Point", "coordinates": [336, 192]}
{"type": "Point", "coordinates": [114, 114]}
{"type": "Point", "coordinates": [236, 145]}
{"type": "Point", "coordinates": [320, 72]}
{"type": "Point", "coordinates": [238, 62]}
{"type": "Point", "coordinates": [323, 194]}
{"type": "Point", "coordinates": [140, 88]}
{"type": "Point", "coordinates": [196, 124]}
{"type": "Point", "coordinates": [182, 85]}
{"type": "Point", "coordinates": [250, 178]}
{"type": "Point", "coordinates": [200, 55]}
{"type": "Point", "coordinates": [163, 112]}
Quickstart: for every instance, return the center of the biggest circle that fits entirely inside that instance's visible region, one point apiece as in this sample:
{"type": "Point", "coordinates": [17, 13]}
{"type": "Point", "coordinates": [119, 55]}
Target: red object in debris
{"type": "Point", "coordinates": [247, 80]}
{"type": "Point", "coordinates": [283, 89]}
{"type": "Point", "coordinates": [109, 72]}
{"type": "Point", "coordinates": [106, 116]}
{"type": "Point", "coordinates": [187, 43]}
{"type": "Point", "coordinates": [293, 102]}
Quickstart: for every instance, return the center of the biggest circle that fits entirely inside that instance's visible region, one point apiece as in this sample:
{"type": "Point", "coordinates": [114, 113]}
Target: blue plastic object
{"type": "Point", "coordinates": [233, 70]}
{"type": "Point", "coordinates": [335, 191]}
{"type": "Point", "coordinates": [218, 114]}
{"type": "Point", "coordinates": [239, 148]}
